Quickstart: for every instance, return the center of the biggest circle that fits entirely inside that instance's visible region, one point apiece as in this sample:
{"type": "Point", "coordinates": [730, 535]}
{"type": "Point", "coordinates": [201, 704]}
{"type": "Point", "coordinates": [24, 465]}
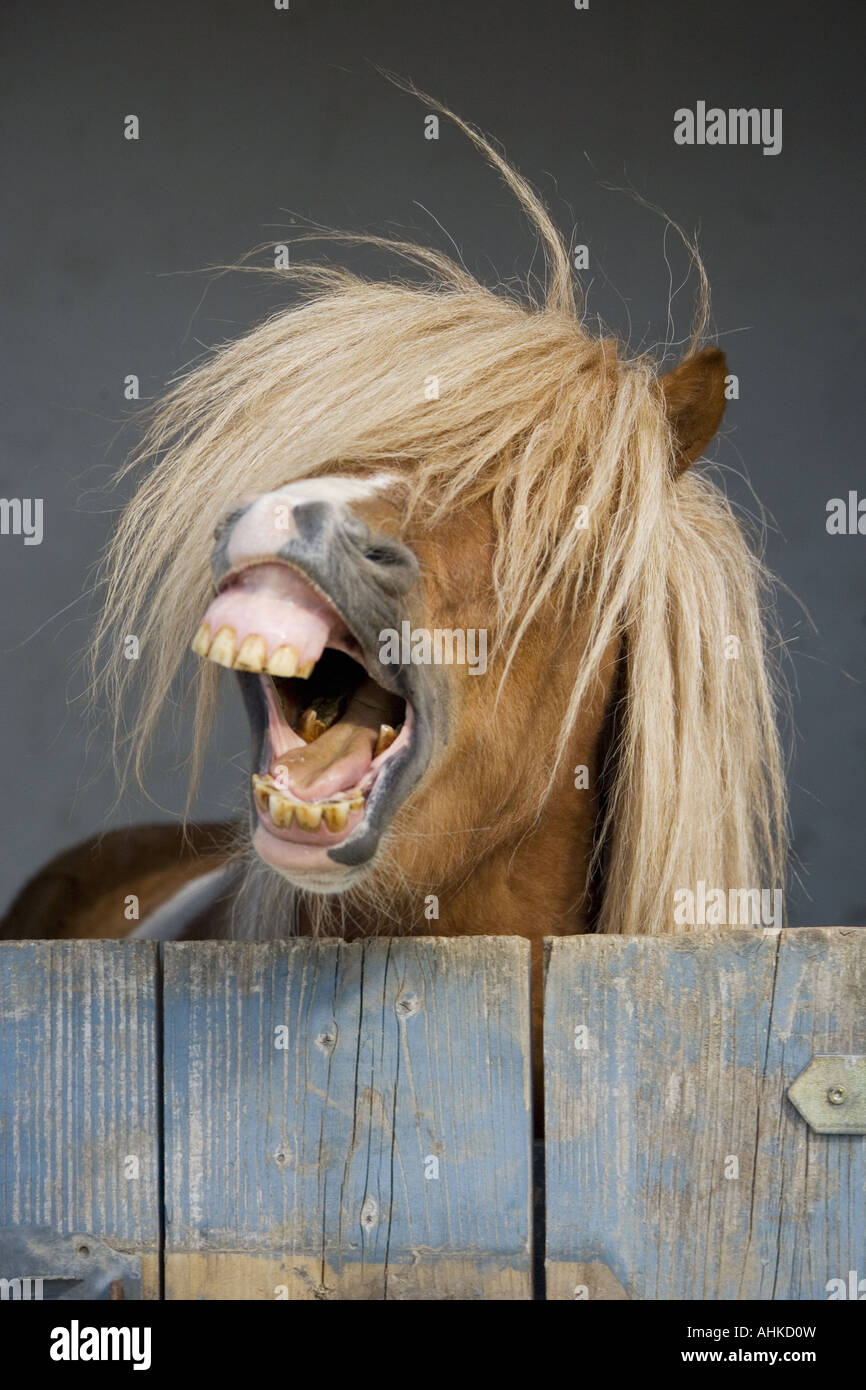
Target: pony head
{"type": "Point", "coordinates": [478, 602]}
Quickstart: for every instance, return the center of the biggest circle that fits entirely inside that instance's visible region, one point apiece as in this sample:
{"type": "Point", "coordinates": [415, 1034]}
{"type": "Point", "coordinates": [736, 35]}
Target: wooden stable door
{"type": "Point", "coordinates": [317, 1120]}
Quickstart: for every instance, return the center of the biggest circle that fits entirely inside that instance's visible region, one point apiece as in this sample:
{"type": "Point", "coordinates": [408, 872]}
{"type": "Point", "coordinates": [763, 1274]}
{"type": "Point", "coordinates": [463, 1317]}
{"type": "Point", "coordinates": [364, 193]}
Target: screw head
{"type": "Point", "coordinates": [836, 1095]}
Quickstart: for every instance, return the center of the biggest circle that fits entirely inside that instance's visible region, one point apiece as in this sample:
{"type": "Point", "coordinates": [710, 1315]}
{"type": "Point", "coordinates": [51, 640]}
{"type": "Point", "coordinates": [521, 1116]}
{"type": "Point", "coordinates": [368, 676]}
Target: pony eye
{"type": "Point", "coordinates": [378, 556]}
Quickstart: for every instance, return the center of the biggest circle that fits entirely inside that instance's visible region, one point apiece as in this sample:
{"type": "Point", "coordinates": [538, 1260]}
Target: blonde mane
{"type": "Point", "coordinates": [544, 418]}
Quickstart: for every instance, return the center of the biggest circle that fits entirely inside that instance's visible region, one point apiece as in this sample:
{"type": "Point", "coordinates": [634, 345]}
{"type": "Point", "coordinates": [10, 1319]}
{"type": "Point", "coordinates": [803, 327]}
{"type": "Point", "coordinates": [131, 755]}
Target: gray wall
{"type": "Point", "coordinates": [250, 115]}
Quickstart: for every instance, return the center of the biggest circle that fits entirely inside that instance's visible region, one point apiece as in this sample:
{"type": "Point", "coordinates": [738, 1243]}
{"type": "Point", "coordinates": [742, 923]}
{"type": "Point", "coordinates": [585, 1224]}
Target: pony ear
{"type": "Point", "coordinates": [694, 395]}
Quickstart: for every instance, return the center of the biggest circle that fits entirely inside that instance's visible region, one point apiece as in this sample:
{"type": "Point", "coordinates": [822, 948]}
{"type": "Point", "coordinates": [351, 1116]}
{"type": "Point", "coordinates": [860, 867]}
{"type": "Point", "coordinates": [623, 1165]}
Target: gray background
{"type": "Point", "coordinates": [251, 116]}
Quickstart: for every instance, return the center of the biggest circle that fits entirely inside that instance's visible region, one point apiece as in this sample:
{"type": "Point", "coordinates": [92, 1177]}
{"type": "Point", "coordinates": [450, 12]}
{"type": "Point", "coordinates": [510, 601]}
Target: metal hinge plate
{"type": "Point", "coordinates": [37, 1262]}
{"type": "Point", "coordinates": [830, 1094]}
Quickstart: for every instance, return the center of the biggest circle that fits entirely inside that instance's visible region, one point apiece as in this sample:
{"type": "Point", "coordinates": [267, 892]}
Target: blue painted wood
{"type": "Point", "coordinates": [348, 1121]}
{"type": "Point", "coordinates": [676, 1166]}
{"type": "Point", "coordinates": [813, 1185]}
{"type": "Point", "coordinates": [78, 1094]}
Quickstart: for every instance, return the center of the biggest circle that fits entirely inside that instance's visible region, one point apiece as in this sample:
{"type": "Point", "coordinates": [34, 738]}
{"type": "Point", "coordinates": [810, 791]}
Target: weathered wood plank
{"type": "Point", "coordinates": [676, 1166]}
{"type": "Point", "coordinates": [348, 1121]}
{"type": "Point", "coordinates": [810, 1188]}
{"type": "Point", "coordinates": [78, 1100]}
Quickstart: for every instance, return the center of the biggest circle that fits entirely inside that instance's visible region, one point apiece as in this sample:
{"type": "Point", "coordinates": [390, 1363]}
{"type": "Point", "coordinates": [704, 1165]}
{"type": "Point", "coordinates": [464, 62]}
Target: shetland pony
{"type": "Point", "coordinates": [385, 462]}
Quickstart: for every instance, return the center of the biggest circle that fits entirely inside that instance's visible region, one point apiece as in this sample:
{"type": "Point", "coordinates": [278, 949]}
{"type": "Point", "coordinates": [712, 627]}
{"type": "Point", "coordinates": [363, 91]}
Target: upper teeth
{"type": "Point", "coordinates": [252, 655]}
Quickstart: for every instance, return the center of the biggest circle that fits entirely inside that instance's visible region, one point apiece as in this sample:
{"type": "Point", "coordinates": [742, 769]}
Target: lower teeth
{"type": "Point", "coordinates": [309, 814]}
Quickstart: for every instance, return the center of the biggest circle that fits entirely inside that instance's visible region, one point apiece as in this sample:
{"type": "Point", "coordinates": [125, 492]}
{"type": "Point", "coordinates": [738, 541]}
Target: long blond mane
{"type": "Point", "coordinates": [543, 417]}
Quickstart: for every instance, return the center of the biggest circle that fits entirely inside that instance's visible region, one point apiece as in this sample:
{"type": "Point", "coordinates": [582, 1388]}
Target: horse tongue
{"type": "Point", "coordinates": [337, 760]}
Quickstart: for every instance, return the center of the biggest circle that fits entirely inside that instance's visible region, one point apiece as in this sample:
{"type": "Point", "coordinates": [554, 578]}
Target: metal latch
{"type": "Point", "coordinates": [37, 1262]}
{"type": "Point", "coordinates": [830, 1094]}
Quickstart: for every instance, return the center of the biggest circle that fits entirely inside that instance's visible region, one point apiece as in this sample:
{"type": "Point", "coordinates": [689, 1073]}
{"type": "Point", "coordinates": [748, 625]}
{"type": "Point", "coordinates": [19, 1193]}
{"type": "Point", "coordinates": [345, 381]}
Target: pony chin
{"type": "Point", "coordinates": [308, 867]}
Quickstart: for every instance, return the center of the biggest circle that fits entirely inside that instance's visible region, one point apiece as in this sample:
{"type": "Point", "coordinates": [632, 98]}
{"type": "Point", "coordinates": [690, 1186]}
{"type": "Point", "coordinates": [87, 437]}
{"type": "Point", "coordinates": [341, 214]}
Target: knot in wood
{"type": "Point", "coordinates": [369, 1213]}
{"type": "Point", "coordinates": [407, 1006]}
{"type": "Point", "coordinates": [327, 1040]}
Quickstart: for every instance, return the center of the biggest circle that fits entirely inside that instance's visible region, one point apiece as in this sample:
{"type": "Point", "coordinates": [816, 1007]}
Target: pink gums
{"type": "Point", "coordinates": [273, 602]}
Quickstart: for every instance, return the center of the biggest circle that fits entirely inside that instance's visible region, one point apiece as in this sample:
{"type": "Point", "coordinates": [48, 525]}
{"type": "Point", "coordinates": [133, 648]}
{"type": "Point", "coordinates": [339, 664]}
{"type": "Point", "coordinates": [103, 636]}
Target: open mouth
{"type": "Point", "coordinates": [331, 727]}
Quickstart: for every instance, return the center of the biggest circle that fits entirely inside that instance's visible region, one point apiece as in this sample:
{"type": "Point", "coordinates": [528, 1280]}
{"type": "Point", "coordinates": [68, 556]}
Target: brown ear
{"type": "Point", "coordinates": [694, 395]}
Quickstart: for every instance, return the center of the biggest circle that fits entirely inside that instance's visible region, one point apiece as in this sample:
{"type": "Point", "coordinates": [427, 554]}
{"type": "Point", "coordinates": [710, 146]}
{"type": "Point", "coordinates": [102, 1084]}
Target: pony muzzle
{"type": "Point", "coordinates": [330, 727]}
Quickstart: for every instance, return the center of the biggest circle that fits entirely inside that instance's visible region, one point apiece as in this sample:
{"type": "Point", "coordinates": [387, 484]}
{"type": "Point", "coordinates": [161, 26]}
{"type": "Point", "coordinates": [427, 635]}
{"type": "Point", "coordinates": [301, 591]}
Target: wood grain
{"type": "Point", "coordinates": [382, 1152]}
{"type": "Point", "coordinates": [78, 1093]}
{"type": "Point", "coordinates": [690, 1045]}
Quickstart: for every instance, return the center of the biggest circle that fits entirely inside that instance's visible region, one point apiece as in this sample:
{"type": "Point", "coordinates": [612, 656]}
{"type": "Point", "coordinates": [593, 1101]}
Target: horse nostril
{"type": "Point", "coordinates": [311, 519]}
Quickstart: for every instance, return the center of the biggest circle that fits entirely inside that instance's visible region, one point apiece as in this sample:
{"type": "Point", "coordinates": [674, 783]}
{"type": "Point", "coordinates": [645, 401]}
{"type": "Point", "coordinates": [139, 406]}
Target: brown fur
{"type": "Point", "coordinates": [82, 891]}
